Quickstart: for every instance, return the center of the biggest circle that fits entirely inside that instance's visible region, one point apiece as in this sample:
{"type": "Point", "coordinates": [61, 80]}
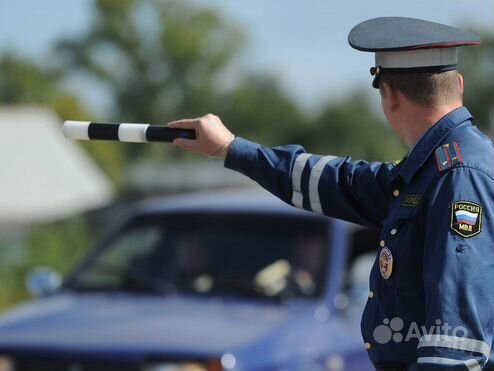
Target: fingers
{"type": "Point", "coordinates": [211, 134]}
{"type": "Point", "coordinates": [187, 144]}
{"type": "Point", "coordinates": [184, 124]}
{"type": "Point", "coordinates": [192, 123]}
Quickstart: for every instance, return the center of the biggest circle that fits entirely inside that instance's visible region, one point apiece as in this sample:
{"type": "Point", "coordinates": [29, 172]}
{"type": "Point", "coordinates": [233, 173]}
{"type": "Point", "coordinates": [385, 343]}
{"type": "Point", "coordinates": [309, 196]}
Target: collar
{"type": "Point", "coordinates": [428, 143]}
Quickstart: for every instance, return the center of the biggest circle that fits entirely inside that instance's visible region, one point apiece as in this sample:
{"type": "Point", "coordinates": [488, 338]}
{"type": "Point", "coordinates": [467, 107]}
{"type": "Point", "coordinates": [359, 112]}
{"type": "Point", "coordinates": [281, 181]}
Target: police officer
{"type": "Point", "coordinates": [432, 284]}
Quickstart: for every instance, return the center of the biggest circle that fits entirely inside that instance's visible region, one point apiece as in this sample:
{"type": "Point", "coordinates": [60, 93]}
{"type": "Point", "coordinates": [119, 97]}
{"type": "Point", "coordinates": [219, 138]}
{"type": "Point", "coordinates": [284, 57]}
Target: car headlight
{"type": "Point", "coordinates": [185, 366]}
{"type": "Point", "coordinates": [6, 363]}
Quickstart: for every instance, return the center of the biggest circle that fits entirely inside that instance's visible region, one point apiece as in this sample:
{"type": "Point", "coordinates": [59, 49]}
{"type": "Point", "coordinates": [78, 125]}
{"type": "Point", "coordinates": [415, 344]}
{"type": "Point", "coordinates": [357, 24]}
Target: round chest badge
{"type": "Point", "coordinates": [386, 263]}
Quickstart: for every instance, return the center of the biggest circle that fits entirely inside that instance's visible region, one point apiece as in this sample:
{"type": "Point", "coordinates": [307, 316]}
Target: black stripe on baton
{"type": "Point", "coordinates": [98, 131]}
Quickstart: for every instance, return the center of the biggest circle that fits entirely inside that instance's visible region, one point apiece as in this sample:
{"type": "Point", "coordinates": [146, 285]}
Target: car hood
{"type": "Point", "coordinates": [152, 325]}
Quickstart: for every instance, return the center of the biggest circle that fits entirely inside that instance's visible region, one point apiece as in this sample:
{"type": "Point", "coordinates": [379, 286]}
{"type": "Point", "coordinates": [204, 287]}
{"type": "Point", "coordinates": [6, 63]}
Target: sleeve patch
{"type": "Point", "coordinates": [466, 218]}
{"type": "Point", "coordinates": [448, 155]}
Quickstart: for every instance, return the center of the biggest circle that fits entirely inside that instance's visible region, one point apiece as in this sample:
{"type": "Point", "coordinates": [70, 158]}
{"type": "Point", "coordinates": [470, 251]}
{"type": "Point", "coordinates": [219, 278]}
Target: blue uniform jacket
{"type": "Point", "coordinates": [431, 300]}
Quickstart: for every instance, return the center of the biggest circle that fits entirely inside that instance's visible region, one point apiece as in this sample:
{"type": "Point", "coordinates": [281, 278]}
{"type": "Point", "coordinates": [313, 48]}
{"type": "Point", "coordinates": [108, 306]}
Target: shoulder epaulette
{"type": "Point", "coordinates": [448, 155]}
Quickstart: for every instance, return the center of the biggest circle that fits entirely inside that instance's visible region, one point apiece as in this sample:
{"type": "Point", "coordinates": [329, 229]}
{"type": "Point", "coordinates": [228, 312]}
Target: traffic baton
{"type": "Point", "coordinates": [124, 132]}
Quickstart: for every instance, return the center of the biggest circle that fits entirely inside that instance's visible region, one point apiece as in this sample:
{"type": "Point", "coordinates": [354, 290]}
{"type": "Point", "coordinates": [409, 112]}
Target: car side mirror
{"type": "Point", "coordinates": [43, 281]}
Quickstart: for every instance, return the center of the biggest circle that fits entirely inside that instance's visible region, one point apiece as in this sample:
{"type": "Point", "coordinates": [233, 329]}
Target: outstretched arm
{"type": "Point", "coordinates": [334, 186]}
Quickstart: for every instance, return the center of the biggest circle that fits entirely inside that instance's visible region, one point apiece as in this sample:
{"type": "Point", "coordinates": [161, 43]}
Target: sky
{"type": "Point", "coordinates": [304, 43]}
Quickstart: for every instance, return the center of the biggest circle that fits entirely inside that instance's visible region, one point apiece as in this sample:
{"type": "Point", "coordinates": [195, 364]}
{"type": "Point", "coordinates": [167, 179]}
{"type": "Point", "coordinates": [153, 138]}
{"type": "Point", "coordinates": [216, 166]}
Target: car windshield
{"type": "Point", "coordinates": [204, 254]}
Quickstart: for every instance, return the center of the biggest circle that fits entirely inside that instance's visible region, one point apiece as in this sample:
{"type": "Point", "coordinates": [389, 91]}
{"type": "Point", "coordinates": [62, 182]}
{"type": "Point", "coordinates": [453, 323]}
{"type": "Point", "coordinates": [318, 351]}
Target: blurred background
{"type": "Point", "coordinates": [276, 72]}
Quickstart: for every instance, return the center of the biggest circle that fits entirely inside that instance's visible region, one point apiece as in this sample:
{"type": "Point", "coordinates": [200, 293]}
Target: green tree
{"type": "Point", "coordinates": [259, 109]}
{"type": "Point", "coordinates": [159, 60]}
{"type": "Point", "coordinates": [24, 81]}
{"type": "Point", "coordinates": [352, 127]}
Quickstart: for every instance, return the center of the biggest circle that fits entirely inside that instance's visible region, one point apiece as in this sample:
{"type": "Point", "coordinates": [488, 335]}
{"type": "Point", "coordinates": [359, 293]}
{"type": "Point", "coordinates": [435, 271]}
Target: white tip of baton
{"type": "Point", "coordinates": [76, 130]}
{"type": "Point", "coordinates": [132, 133]}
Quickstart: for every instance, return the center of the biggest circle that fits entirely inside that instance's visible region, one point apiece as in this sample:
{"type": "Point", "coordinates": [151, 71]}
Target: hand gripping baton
{"type": "Point", "coordinates": [136, 133]}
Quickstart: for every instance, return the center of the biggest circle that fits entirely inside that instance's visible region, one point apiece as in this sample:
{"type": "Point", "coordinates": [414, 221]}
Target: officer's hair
{"type": "Point", "coordinates": [425, 88]}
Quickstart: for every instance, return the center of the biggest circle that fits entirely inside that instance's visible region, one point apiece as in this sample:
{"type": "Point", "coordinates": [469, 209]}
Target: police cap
{"type": "Point", "coordinates": [410, 45]}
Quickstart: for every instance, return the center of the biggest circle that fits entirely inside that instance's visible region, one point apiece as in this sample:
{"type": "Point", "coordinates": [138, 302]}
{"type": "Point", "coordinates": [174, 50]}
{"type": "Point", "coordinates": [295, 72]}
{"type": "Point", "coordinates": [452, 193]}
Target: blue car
{"type": "Point", "coordinates": [204, 282]}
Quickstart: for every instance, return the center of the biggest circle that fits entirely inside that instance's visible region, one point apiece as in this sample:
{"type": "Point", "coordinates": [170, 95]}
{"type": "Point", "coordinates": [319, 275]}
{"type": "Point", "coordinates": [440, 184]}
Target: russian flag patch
{"type": "Point", "coordinates": [466, 218]}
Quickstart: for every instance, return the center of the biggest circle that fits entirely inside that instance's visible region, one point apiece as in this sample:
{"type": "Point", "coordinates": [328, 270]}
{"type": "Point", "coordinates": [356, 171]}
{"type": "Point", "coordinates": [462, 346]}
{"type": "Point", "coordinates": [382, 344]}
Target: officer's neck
{"type": "Point", "coordinates": [415, 120]}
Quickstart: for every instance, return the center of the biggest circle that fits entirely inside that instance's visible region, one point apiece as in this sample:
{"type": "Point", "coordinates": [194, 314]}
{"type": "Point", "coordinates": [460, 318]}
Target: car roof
{"type": "Point", "coordinates": [257, 201]}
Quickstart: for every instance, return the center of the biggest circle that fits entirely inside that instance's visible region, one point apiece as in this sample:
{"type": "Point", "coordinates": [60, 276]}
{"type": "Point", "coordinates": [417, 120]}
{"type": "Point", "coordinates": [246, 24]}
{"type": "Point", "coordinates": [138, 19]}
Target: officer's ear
{"type": "Point", "coordinates": [389, 97]}
{"type": "Point", "coordinates": [460, 81]}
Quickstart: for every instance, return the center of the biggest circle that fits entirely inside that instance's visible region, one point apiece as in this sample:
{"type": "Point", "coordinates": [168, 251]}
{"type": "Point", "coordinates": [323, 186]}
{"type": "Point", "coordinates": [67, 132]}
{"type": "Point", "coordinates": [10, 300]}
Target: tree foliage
{"type": "Point", "coordinates": [160, 60]}
{"type": "Point", "coordinates": [258, 109]}
{"type": "Point", "coordinates": [25, 81]}
{"type": "Point", "coordinates": [352, 127]}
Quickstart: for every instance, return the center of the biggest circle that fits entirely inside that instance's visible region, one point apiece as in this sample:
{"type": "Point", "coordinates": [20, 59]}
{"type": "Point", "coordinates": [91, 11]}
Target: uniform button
{"type": "Point", "coordinates": [371, 294]}
{"type": "Point", "coordinates": [393, 231]}
{"type": "Point", "coordinates": [382, 243]}
{"type": "Point", "coordinates": [396, 193]}
{"type": "Point", "coordinates": [367, 346]}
